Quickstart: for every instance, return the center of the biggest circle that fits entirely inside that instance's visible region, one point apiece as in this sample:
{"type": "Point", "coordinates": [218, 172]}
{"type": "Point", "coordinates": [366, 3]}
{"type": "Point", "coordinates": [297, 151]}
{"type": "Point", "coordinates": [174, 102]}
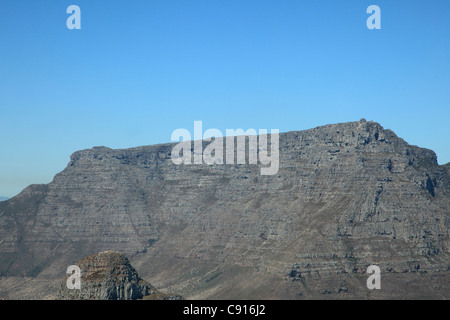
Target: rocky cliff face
{"type": "Point", "coordinates": [107, 275]}
{"type": "Point", "coordinates": [345, 196]}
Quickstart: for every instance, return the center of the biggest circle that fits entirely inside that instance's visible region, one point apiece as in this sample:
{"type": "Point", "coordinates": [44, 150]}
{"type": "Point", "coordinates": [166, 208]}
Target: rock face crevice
{"type": "Point", "coordinates": [346, 196]}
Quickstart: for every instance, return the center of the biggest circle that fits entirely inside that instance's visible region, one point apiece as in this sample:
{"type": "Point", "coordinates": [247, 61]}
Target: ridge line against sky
{"type": "Point", "coordinates": [135, 73]}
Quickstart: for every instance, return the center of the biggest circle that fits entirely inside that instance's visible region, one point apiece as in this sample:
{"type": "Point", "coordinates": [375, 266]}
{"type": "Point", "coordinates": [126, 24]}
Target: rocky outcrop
{"type": "Point", "coordinates": [346, 196]}
{"type": "Point", "coordinates": [108, 275]}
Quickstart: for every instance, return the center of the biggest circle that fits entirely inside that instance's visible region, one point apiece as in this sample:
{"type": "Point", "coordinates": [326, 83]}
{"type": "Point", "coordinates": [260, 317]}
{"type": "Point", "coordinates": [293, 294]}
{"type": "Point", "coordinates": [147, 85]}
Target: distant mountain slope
{"type": "Point", "coordinates": [346, 196]}
{"type": "Point", "coordinates": [3, 198]}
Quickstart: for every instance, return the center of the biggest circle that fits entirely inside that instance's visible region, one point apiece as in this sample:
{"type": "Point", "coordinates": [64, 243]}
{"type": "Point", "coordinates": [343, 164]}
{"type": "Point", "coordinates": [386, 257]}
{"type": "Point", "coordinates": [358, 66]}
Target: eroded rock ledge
{"type": "Point", "coordinates": [108, 275]}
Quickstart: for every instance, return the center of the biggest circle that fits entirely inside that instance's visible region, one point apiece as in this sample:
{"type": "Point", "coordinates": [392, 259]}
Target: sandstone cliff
{"type": "Point", "coordinates": [107, 275]}
{"type": "Point", "coordinates": [346, 196]}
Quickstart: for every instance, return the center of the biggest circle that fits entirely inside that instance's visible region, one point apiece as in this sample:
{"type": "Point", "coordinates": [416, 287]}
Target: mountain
{"type": "Point", "coordinates": [346, 196]}
{"type": "Point", "coordinates": [108, 275]}
{"type": "Point", "coordinates": [3, 198]}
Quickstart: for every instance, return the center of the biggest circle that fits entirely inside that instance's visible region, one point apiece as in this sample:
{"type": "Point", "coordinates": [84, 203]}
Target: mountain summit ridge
{"type": "Point", "coordinates": [346, 196]}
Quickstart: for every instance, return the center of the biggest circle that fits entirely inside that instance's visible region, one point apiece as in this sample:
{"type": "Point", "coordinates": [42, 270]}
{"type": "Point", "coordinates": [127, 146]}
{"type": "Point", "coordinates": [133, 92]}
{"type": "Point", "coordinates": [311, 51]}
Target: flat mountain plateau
{"type": "Point", "coordinates": [346, 196]}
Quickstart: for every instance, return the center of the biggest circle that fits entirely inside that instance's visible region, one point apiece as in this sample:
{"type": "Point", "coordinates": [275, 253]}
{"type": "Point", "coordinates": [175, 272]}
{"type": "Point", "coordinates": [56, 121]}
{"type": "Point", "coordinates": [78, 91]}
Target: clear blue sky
{"type": "Point", "coordinates": [137, 70]}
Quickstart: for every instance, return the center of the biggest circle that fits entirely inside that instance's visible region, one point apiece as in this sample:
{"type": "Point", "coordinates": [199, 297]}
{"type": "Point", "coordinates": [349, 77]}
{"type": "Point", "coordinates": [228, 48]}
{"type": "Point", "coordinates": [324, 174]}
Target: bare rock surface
{"type": "Point", "coordinates": [107, 275]}
{"type": "Point", "coordinates": [346, 196]}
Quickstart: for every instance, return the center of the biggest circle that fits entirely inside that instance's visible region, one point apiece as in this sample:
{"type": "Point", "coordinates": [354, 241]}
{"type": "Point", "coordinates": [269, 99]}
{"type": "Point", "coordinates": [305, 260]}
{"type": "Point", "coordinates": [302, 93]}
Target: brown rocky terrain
{"type": "Point", "coordinates": [108, 275]}
{"type": "Point", "coordinates": [346, 196]}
